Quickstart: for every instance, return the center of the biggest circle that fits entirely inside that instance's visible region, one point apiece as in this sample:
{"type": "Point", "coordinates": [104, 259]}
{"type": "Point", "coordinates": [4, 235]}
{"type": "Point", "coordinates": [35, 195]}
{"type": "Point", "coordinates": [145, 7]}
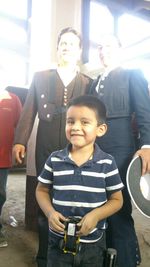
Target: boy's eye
{"type": "Point", "coordinates": [85, 122]}
{"type": "Point", "coordinates": [70, 122]}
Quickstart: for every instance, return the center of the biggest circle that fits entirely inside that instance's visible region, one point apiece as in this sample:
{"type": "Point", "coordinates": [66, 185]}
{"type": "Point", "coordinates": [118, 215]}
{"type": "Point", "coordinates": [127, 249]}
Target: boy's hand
{"type": "Point", "coordinates": [87, 224]}
{"type": "Point", "coordinates": [55, 221]}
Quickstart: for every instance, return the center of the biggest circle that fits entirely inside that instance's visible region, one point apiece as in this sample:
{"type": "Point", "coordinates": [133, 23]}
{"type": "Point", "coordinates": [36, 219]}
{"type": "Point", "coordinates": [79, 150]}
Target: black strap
{"type": "Point", "coordinates": [52, 91]}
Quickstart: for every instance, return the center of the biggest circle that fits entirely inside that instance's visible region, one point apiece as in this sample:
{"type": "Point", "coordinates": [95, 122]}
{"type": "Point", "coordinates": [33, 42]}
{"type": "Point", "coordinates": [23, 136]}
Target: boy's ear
{"type": "Point", "coordinates": [102, 129]}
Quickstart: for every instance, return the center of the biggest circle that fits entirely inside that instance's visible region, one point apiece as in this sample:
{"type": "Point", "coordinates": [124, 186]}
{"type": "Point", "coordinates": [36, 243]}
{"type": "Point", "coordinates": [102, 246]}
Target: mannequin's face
{"type": "Point", "coordinates": [109, 52]}
{"type": "Point", "coordinates": [69, 50]}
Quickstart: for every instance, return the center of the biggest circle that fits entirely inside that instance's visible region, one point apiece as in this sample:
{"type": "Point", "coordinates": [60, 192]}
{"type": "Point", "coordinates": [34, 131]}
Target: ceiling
{"type": "Point", "coordinates": [137, 7]}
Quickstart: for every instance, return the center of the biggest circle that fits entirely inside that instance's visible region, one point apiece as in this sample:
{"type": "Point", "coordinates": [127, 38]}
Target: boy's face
{"type": "Point", "coordinates": [69, 50]}
{"type": "Point", "coordinates": [82, 126]}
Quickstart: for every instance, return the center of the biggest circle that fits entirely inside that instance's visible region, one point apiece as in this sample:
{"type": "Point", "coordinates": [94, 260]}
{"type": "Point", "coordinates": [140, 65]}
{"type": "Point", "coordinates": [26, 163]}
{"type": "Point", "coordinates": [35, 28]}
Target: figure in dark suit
{"type": "Point", "coordinates": [125, 93]}
{"type": "Point", "coordinates": [48, 96]}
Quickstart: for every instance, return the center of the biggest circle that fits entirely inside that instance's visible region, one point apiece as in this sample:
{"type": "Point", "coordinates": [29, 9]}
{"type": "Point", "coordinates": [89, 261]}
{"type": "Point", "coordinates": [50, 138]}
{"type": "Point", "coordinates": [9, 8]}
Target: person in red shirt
{"type": "Point", "coordinates": [10, 109]}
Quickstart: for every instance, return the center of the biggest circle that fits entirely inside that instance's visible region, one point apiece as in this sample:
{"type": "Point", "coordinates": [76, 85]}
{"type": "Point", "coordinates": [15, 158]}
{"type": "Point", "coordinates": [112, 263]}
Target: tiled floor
{"type": "Point", "coordinates": [22, 244]}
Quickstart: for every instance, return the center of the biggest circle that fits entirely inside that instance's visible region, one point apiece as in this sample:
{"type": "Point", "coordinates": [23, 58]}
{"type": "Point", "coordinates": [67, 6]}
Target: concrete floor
{"type": "Point", "coordinates": [22, 244]}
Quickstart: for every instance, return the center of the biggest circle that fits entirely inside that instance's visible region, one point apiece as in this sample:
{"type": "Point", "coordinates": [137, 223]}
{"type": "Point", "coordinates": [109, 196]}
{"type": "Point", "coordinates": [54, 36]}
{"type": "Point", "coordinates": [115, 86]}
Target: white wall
{"type": "Point", "coordinates": [65, 13]}
{"type": "Point", "coordinates": [49, 17]}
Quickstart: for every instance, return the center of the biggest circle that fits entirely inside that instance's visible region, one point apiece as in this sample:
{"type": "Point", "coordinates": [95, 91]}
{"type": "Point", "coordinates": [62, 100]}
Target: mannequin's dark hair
{"type": "Point", "coordinates": [67, 30]}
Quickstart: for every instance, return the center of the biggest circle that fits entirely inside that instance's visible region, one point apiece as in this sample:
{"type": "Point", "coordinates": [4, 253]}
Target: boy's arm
{"type": "Point", "coordinates": [113, 204]}
{"type": "Point", "coordinates": [43, 198]}
{"type": "Point", "coordinates": [90, 220]}
{"type": "Point", "coordinates": [44, 201]}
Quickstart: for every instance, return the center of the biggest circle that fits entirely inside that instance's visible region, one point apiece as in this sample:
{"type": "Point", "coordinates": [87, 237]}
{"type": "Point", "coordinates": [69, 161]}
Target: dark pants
{"type": "Point", "coordinates": [119, 142]}
{"type": "Point", "coordinates": [89, 255]}
{"type": "Point", "coordinates": [121, 235]}
{"type": "Point", "coordinates": [3, 183]}
{"type": "Point", "coordinates": [43, 240]}
{"type": "Point", "coordinates": [35, 220]}
{"type": "Point", "coordinates": [43, 230]}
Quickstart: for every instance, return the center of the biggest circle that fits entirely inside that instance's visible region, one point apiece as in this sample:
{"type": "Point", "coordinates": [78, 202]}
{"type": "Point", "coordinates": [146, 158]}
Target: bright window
{"type": "Point", "coordinates": [101, 22]}
{"type": "Point", "coordinates": [132, 29]}
{"type": "Point", "coordinates": [136, 42]}
{"type": "Point", "coordinates": [14, 43]}
{"type": "Point", "coordinates": [16, 8]}
{"type": "Point", "coordinates": [10, 31]}
{"type": "Point", "coordinates": [133, 32]}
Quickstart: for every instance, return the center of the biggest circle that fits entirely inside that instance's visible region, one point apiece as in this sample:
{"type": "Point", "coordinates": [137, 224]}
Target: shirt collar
{"type": "Point", "coordinates": [98, 153]}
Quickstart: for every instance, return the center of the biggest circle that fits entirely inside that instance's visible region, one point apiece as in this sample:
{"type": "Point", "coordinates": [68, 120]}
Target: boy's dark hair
{"type": "Point", "coordinates": [91, 102]}
{"type": "Point", "coordinates": [66, 30]}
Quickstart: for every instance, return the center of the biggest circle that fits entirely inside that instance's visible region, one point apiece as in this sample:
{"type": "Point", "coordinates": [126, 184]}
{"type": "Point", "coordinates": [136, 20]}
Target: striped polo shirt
{"type": "Point", "coordinates": [76, 190]}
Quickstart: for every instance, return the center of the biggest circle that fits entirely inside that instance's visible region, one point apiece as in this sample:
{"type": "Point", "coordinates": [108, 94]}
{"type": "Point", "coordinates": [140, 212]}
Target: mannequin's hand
{"type": "Point", "coordinates": [19, 152]}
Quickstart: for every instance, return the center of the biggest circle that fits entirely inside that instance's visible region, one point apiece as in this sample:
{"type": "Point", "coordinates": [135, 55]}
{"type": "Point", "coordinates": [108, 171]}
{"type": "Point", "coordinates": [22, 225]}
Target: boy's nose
{"type": "Point", "coordinates": [76, 126]}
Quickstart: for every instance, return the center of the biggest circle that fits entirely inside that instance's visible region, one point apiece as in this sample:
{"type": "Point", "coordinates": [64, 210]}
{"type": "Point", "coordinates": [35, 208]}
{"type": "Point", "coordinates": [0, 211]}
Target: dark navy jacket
{"type": "Point", "coordinates": [125, 92]}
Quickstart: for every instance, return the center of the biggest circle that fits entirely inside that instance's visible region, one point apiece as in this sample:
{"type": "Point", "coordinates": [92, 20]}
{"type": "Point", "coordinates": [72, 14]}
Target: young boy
{"type": "Point", "coordinates": [80, 181]}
